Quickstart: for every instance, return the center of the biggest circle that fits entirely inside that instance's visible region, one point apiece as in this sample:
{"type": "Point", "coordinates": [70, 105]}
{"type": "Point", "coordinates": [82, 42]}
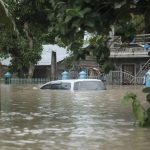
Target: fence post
{"type": "Point", "coordinates": [121, 76]}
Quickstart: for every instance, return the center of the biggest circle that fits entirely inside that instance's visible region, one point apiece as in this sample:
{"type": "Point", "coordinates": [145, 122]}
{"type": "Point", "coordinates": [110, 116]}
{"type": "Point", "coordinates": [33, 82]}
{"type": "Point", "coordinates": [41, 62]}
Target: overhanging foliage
{"type": "Point", "coordinates": [5, 17]}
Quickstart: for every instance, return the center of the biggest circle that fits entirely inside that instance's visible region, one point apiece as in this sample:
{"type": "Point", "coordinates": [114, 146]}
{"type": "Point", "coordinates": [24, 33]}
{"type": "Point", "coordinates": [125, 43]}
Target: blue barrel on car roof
{"type": "Point", "coordinates": [147, 79]}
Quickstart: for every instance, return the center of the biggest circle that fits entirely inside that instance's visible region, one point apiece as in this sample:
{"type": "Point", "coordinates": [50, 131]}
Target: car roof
{"type": "Point", "coordinates": [73, 80]}
{"type": "Point", "coordinates": [70, 81]}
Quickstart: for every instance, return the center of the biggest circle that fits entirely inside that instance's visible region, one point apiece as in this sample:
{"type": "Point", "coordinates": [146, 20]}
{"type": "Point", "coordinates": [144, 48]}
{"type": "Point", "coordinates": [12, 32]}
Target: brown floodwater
{"type": "Point", "coordinates": [34, 119]}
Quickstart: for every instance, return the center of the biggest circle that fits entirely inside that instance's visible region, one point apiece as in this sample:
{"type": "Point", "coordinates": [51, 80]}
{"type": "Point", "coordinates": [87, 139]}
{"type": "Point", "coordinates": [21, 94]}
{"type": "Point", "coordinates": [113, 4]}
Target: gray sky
{"type": "Point", "coordinates": [46, 55]}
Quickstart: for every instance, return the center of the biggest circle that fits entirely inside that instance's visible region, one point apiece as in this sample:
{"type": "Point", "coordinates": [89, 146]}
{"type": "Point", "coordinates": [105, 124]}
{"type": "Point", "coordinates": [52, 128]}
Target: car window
{"type": "Point", "coordinates": [47, 86]}
{"type": "Point", "coordinates": [57, 86]}
{"type": "Point", "coordinates": [66, 86]}
{"type": "Point", "coordinates": [89, 85]}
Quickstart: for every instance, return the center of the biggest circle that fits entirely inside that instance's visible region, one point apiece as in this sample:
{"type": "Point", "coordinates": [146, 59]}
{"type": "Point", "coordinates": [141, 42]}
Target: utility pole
{"type": "Point", "coordinates": [53, 66]}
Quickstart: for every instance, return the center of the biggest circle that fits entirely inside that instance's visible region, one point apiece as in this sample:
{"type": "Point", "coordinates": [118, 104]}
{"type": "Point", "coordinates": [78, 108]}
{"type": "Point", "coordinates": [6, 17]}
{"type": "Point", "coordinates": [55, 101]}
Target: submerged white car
{"type": "Point", "coordinates": [75, 85]}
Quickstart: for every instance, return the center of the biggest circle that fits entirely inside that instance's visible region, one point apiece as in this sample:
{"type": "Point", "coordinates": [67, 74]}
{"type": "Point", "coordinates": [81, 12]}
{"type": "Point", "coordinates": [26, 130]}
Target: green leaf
{"type": "Point", "coordinates": [86, 10]}
{"type": "Point", "coordinates": [5, 17]}
{"type": "Point", "coordinates": [74, 13]}
{"type": "Point", "coordinates": [146, 90]}
{"type": "Point", "coordinates": [76, 23]}
{"type": "Point", "coordinates": [148, 98]}
{"type": "Point", "coordinates": [139, 112]}
{"type": "Point", "coordinates": [90, 23]}
{"type": "Point", "coordinates": [128, 98]}
{"type": "Point", "coordinates": [68, 18]}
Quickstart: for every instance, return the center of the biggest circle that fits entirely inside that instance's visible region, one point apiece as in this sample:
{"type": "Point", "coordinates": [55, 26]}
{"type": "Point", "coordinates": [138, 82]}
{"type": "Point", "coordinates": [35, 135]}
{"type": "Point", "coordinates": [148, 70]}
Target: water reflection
{"type": "Point", "coordinates": [40, 119]}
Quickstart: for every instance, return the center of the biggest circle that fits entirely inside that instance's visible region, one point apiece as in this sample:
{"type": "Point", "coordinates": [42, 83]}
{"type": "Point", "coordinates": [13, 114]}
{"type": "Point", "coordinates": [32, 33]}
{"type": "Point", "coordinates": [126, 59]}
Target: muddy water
{"type": "Point", "coordinates": [33, 119]}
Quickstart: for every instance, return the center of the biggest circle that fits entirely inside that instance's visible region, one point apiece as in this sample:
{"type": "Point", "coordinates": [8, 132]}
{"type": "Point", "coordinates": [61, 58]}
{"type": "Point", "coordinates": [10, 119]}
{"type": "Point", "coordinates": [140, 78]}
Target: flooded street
{"type": "Point", "coordinates": [34, 119]}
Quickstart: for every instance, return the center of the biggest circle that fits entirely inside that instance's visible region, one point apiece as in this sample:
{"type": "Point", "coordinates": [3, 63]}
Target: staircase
{"type": "Point", "coordinates": [124, 78]}
{"type": "Point", "coordinates": [119, 78]}
{"type": "Point", "coordinates": [141, 73]}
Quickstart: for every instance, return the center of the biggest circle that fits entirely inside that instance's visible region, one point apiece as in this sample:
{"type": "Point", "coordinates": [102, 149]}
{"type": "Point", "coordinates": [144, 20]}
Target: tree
{"type": "Point", "coordinates": [71, 19]}
{"type": "Point", "coordinates": [68, 23]}
{"type": "Point", "coordinates": [31, 21]}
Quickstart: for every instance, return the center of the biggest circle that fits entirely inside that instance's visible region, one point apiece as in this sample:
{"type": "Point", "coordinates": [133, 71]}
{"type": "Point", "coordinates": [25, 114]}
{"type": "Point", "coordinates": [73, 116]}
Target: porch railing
{"type": "Point", "coordinates": [142, 38]}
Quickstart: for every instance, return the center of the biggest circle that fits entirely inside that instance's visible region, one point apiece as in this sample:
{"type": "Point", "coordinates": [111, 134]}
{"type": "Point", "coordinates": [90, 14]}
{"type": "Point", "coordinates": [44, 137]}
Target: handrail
{"type": "Point", "coordinates": [143, 67]}
{"type": "Point", "coordinates": [143, 35]}
{"type": "Point", "coordinates": [124, 73]}
{"type": "Point", "coordinates": [141, 70]}
{"type": "Point", "coordinates": [128, 77]}
{"type": "Point", "coordinates": [142, 38]}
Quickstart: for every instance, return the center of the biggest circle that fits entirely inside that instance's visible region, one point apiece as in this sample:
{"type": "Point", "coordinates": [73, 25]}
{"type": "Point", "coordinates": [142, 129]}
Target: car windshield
{"type": "Point", "coordinates": [89, 85]}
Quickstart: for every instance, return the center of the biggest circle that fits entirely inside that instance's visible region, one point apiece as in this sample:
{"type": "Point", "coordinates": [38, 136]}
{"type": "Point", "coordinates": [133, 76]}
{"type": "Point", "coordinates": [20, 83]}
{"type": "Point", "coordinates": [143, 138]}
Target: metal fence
{"type": "Point", "coordinates": [24, 80]}
{"type": "Point", "coordinates": [33, 80]}
{"type": "Point", "coordinates": [113, 78]}
{"type": "Point", "coordinates": [120, 77]}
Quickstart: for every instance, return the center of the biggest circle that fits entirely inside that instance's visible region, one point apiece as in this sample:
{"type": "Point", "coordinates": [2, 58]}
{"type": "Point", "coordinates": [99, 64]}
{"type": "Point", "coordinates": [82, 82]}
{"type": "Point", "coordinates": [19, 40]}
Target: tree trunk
{"type": "Point", "coordinates": [30, 39]}
{"type": "Point", "coordinates": [31, 70]}
{"type": "Point", "coordinates": [0, 85]}
{"type": "Point", "coordinates": [53, 66]}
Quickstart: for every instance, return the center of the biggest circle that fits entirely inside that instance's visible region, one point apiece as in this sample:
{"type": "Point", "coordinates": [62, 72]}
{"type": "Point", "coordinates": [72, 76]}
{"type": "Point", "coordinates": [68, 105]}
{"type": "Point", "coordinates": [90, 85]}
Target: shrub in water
{"type": "Point", "coordinates": [142, 116]}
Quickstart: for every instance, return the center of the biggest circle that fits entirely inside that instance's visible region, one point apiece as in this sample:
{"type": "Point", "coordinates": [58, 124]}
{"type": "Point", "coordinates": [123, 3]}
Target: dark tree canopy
{"type": "Point", "coordinates": [71, 19]}
{"type": "Point", "coordinates": [65, 22]}
{"type": "Point", "coordinates": [31, 21]}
